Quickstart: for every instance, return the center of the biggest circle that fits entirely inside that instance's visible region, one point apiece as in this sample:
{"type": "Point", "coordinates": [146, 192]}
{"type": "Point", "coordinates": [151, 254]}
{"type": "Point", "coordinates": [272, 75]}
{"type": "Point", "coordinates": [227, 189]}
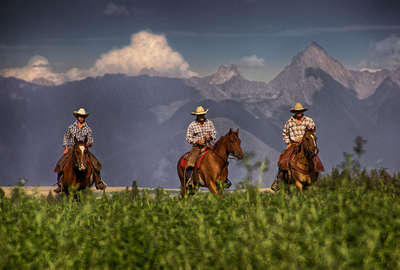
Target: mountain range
{"type": "Point", "coordinates": [140, 121]}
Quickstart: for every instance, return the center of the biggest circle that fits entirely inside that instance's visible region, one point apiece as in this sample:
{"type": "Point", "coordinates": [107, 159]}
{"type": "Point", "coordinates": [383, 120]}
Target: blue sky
{"type": "Point", "coordinates": [75, 34]}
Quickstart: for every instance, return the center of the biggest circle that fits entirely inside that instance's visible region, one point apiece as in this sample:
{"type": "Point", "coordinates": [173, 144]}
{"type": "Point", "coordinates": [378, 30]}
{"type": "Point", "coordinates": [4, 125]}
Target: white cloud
{"type": "Point", "coordinates": [38, 68]}
{"type": "Point", "coordinates": [147, 53]}
{"type": "Point", "coordinates": [113, 9]}
{"type": "Point", "coordinates": [384, 54]}
{"type": "Point", "coordinates": [252, 61]}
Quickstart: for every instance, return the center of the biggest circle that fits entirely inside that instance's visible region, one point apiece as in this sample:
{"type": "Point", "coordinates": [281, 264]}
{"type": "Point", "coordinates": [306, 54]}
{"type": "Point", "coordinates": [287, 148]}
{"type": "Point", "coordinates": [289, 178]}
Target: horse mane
{"type": "Point", "coordinates": [219, 141]}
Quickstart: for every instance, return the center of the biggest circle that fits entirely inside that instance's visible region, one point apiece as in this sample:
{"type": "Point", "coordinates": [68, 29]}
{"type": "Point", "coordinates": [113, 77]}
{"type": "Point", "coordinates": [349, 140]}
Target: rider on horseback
{"type": "Point", "coordinates": [292, 133]}
{"type": "Point", "coordinates": [199, 133]}
{"type": "Point", "coordinates": [80, 131]}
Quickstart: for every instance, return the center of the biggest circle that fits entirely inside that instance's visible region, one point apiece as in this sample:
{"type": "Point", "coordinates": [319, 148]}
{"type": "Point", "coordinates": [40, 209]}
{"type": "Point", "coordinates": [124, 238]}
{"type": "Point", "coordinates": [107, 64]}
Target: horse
{"type": "Point", "coordinates": [77, 172]}
{"type": "Point", "coordinates": [304, 168]}
{"type": "Point", "coordinates": [213, 168]}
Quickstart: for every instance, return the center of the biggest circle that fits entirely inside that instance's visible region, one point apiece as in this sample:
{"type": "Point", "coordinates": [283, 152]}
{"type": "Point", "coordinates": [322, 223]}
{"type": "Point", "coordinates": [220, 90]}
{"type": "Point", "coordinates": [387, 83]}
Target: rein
{"type": "Point", "coordinates": [226, 162]}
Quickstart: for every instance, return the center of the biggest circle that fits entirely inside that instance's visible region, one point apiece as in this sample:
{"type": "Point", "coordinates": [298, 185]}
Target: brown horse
{"type": "Point", "coordinates": [214, 165]}
{"type": "Point", "coordinates": [77, 172]}
{"type": "Point", "coordinates": [303, 169]}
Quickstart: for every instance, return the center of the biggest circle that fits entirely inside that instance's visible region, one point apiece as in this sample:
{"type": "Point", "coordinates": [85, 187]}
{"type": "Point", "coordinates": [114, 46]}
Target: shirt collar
{"type": "Point", "coordinates": [76, 123]}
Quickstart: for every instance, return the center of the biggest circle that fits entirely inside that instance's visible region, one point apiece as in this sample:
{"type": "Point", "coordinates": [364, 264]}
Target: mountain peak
{"type": "Point", "coordinates": [225, 73]}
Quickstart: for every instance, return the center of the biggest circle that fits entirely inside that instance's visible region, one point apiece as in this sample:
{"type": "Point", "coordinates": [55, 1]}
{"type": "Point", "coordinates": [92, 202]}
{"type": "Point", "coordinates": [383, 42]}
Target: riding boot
{"type": "Point", "coordinates": [278, 179]}
{"type": "Point", "coordinates": [99, 182]}
{"type": "Point", "coordinates": [228, 183]}
{"type": "Point", "coordinates": [59, 185]}
{"type": "Point", "coordinates": [189, 171]}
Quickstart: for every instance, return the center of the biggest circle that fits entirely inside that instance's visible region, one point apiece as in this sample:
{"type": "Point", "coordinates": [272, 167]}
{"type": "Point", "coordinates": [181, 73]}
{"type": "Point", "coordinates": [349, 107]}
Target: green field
{"type": "Point", "coordinates": [340, 224]}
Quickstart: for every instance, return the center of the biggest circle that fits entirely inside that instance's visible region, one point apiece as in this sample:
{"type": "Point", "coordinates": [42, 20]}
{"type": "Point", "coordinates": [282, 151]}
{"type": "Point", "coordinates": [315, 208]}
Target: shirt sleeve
{"type": "Point", "coordinates": [310, 124]}
{"type": "Point", "coordinates": [189, 135]}
{"type": "Point", "coordinates": [90, 139]}
{"type": "Point", "coordinates": [67, 137]}
{"type": "Point", "coordinates": [213, 134]}
{"type": "Point", "coordinates": [285, 133]}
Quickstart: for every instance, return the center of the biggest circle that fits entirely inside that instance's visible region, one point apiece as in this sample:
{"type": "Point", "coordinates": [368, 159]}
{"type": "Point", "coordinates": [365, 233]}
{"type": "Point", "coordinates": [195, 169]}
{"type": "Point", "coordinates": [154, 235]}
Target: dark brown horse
{"type": "Point", "coordinates": [214, 165]}
{"type": "Point", "coordinates": [304, 168]}
{"type": "Point", "coordinates": [77, 172]}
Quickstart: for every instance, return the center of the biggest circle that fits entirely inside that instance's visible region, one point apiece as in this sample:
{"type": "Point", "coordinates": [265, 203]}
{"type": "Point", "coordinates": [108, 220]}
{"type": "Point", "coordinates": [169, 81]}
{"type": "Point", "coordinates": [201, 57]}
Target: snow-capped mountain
{"type": "Point", "coordinates": [229, 83]}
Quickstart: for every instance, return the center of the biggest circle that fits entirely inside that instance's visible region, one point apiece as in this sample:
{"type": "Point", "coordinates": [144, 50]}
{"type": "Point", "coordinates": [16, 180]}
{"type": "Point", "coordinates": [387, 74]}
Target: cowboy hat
{"type": "Point", "coordinates": [200, 111]}
{"type": "Point", "coordinates": [81, 112]}
{"type": "Point", "coordinates": [298, 108]}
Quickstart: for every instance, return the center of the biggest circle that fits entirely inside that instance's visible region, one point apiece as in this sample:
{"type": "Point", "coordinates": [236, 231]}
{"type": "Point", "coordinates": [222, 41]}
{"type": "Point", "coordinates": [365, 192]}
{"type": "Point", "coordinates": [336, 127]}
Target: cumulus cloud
{"type": "Point", "coordinates": [38, 70]}
{"type": "Point", "coordinates": [384, 54]}
{"type": "Point", "coordinates": [113, 9]}
{"type": "Point", "coordinates": [147, 53]}
{"type": "Point", "coordinates": [252, 61]}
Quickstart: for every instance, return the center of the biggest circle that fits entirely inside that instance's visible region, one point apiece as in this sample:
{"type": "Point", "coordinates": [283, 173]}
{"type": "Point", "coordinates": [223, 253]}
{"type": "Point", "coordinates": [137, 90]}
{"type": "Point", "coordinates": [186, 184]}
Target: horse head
{"type": "Point", "coordinates": [309, 143]}
{"type": "Point", "coordinates": [80, 154]}
{"type": "Point", "coordinates": [233, 145]}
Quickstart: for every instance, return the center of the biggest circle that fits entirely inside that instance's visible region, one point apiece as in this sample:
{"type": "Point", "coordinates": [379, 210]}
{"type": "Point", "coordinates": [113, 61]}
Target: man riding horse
{"type": "Point", "coordinates": [199, 133]}
{"type": "Point", "coordinates": [79, 131]}
{"type": "Point", "coordinates": [293, 133]}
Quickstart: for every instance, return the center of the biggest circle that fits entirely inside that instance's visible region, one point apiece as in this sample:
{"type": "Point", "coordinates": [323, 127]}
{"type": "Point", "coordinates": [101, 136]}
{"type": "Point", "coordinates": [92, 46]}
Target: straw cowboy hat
{"type": "Point", "coordinates": [298, 108]}
{"type": "Point", "coordinates": [81, 112]}
{"type": "Point", "coordinates": [200, 111]}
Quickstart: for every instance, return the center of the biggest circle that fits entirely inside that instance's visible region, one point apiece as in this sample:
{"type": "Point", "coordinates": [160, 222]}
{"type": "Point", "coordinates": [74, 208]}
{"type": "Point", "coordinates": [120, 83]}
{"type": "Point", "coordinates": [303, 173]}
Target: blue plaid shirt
{"type": "Point", "coordinates": [73, 131]}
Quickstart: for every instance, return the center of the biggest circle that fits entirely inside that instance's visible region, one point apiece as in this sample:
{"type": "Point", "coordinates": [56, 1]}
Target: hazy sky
{"type": "Point", "coordinates": [260, 36]}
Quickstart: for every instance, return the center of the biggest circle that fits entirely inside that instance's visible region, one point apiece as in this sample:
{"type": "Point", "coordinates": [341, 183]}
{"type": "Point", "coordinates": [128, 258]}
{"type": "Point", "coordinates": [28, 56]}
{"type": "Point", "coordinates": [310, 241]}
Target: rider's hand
{"type": "Point", "coordinates": [299, 140]}
{"type": "Point", "coordinates": [65, 150]}
{"type": "Point", "coordinates": [200, 141]}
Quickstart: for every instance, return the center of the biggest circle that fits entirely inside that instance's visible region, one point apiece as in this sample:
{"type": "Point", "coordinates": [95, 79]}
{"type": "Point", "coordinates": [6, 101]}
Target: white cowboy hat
{"type": "Point", "coordinates": [81, 112]}
{"type": "Point", "coordinates": [298, 108]}
{"type": "Point", "coordinates": [200, 111]}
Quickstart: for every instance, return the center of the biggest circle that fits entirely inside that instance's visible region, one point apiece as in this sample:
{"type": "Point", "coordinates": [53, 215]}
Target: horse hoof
{"type": "Point", "coordinates": [228, 183]}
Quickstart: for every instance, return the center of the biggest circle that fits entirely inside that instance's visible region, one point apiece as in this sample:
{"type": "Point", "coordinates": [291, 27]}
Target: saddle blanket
{"type": "Point", "coordinates": [183, 162]}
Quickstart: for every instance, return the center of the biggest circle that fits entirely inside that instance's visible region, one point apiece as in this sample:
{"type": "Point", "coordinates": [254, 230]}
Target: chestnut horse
{"type": "Point", "coordinates": [304, 168]}
{"type": "Point", "coordinates": [77, 171]}
{"type": "Point", "coordinates": [214, 165]}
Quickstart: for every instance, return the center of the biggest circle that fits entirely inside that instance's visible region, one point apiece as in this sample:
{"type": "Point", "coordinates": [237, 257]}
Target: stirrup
{"type": "Point", "coordinates": [275, 187]}
{"type": "Point", "coordinates": [101, 184]}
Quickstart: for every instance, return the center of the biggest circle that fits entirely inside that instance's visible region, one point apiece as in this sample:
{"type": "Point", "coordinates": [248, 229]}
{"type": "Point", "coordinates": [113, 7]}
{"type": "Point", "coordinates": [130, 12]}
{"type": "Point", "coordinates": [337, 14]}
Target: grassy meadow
{"type": "Point", "coordinates": [346, 221]}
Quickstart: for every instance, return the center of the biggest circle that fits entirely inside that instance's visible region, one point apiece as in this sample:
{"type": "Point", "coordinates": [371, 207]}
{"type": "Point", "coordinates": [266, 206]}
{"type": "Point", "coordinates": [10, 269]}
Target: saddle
{"type": "Point", "coordinates": [184, 159]}
{"type": "Point", "coordinates": [289, 154]}
{"type": "Point", "coordinates": [286, 156]}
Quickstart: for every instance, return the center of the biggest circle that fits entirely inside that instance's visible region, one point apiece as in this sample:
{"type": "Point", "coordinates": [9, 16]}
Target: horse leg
{"type": "Point", "coordinates": [213, 188]}
{"type": "Point", "coordinates": [299, 186]}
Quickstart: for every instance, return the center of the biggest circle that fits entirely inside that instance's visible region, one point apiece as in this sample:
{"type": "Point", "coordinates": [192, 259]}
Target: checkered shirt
{"type": "Point", "coordinates": [73, 131]}
{"type": "Point", "coordinates": [293, 131]}
{"type": "Point", "coordinates": [196, 131]}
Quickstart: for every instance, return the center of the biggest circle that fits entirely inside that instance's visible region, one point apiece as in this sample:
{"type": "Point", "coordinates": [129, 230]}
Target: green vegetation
{"type": "Point", "coordinates": [340, 223]}
{"type": "Point", "coordinates": [349, 220]}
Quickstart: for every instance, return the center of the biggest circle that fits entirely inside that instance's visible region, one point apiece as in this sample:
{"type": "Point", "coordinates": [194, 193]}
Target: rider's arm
{"type": "Point", "coordinates": [213, 133]}
{"type": "Point", "coordinates": [310, 124]}
{"type": "Point", "coordinates": [285, 133]}
{"type": "Point", "coordinates": [67, 138]}
{"type": "Point", "coordinates": [189, 135]}
{"type": "Point", "coordinates": [90, 139]}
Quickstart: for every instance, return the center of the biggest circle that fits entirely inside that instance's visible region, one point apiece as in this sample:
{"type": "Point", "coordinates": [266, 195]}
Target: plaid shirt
{"type": "Point", "coordinates": [293, 131]}
{"type": "Point", "coordinates": [196, 131]}
{"type": "Point", "coordinates": [73, 131]}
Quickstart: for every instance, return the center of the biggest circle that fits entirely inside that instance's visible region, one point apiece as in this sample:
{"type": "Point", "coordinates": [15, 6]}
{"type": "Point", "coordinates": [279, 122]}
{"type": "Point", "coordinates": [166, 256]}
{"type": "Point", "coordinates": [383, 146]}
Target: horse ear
{"type": "Point", "coordinates": [85, 141]}
{"type": "Point", "coordinates": [75, 140]}
{"type": "Point", "coordinates": [237, 131]}
{"type": "Point", "coordinates": [230, 131]}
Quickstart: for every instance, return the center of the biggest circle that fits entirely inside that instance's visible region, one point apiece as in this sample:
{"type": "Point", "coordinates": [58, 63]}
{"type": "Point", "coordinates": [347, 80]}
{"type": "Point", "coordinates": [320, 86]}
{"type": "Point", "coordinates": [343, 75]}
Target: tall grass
{"type": "Point", "coordinates": [337, 225]}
